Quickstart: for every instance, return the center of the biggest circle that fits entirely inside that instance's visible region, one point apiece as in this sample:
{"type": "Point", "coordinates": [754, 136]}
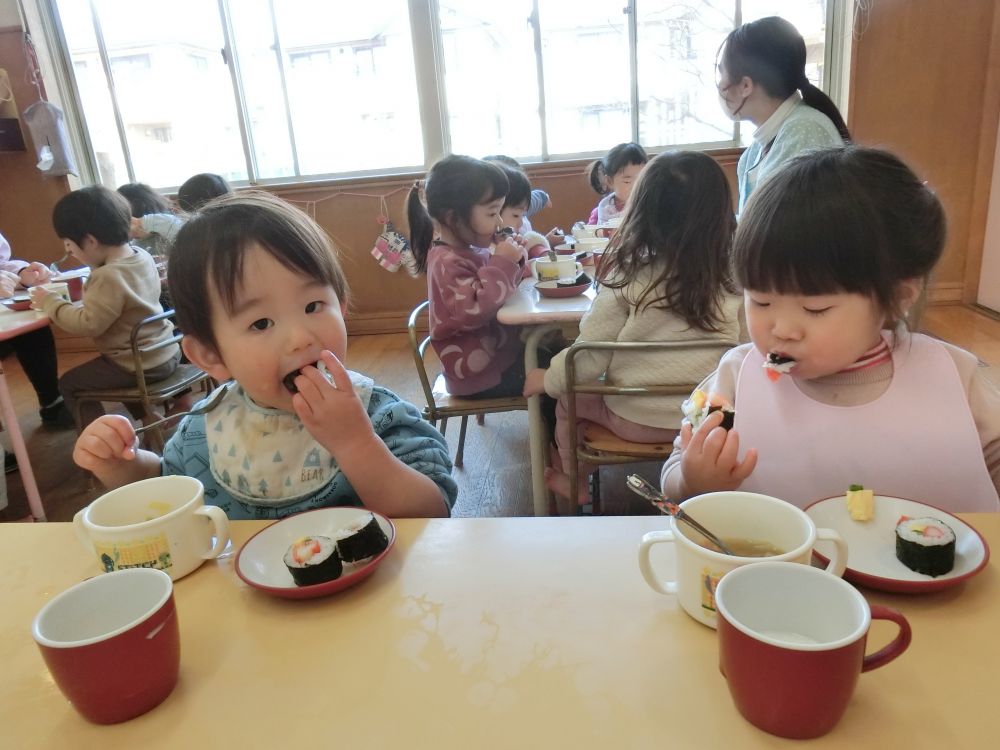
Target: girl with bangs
{"type": "Point", "coordinates": [467, 284]}
{"type": "Point", "coordinates": [834, 253]}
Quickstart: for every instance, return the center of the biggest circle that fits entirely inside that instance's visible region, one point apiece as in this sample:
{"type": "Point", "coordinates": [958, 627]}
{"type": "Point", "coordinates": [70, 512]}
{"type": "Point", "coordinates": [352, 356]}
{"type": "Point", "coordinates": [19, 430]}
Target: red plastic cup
{"type": "Point", "coordinates": [792, 644]}
{"type": "Point", "coordinates": [112, 643]}
{"type": "Point", "coordinates": [75, 285]}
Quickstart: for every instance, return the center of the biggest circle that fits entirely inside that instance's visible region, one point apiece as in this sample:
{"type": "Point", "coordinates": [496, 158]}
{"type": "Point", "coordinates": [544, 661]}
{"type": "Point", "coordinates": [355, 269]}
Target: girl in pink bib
{"type": "Point", "coordinates": [833, 253]}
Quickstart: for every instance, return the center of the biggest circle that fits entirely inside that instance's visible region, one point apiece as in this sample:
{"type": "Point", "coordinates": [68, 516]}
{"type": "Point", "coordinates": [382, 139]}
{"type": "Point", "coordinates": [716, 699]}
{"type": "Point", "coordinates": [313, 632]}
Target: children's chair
{"type": "Point", "coordinates": [600, 446]}
{"type": "Point", "coordinates": [441, 405]}
{"type": "Point", "coordinates": [146, 393]}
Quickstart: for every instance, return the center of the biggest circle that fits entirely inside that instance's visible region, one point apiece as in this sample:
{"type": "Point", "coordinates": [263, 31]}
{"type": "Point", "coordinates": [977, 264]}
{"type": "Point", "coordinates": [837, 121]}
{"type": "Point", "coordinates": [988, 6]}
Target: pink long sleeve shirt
{"type": "Point", "coordinates": [466, 287]}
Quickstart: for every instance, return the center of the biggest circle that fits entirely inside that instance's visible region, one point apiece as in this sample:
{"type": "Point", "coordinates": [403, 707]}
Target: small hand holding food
{"type": "Point", "coordinates": [512, 248]}
{"type": "Point", "coordinates": [556, 236]}
{"type": "Point", "coordinates": [332, 412]}
{"type": "Point", "coordinates": [710, 460]}
{"type": "Point", "coordinates": [38, 296]}
{"type": "Point", "coordinates": [34, 273]}
{"type": "Point", "coordinates": [534, 382]}
{"type": "Point", "coordinates": [8, 283]}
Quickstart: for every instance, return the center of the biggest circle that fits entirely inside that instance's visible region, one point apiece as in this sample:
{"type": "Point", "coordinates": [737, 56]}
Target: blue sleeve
{"type": "Point", "coordinates": [413, 440]}
{"type": "Point", "coordinates": [539, 200]}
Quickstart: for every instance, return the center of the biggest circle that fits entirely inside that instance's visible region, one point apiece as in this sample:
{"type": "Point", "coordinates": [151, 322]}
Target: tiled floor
{"type": "Point", "coordinates": [496, 476]}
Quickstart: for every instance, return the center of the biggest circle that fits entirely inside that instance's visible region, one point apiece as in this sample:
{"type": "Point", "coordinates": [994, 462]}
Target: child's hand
{"type": "Point", "coordinates": [105, 443]}
{"type": "Point", "coordinates": [534, 382]}
{"type": "Point", "coordinates": [8, 283]}
{"type": "Point", "coordinates": [710, 460]}
{"type": "Point", "coordinates": [332, 413]}
{"type": "Point", "coordinates": [38, 295]}
{"type": "Point", "coordinates": [34, 273]}
{"type": "Point", "coordinates": [555, 236]}
{"type": "Point", "coordinates": [512, 249]}
{"type": "Point", "coordinates": [136, 232]}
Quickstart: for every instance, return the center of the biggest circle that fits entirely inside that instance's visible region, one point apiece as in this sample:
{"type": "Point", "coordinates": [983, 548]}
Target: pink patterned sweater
{"type": "Point", "coordinates": [466, 287]}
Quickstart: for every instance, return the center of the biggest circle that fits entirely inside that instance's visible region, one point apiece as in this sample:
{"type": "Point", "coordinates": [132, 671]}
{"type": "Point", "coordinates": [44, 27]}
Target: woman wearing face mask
{"type": "Point", "coordinates": [762, 78]}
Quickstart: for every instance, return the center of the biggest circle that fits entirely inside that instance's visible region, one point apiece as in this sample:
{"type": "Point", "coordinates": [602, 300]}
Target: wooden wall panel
{"type": "Point", "coordinates": [921, 74]}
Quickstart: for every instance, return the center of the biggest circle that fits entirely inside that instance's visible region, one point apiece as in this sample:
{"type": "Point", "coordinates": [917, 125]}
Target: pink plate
{"type": "Point", "coordinates": [871, 545]}
{"type": "Point", "coordinates": [549, 289]}
{"type": "Point", "coordinates": [260, 560]}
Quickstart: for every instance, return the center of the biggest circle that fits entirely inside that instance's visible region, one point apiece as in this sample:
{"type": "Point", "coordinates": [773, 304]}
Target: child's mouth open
{"type": "Point", "coordinates": [777, 364]}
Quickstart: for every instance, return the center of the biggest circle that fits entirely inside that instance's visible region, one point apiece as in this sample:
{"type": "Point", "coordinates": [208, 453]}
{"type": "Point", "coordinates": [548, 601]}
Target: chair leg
{"type": "Point", "coordinates": [595, 493]}
{"type": "Point", "coordinates": [444, 425]}
{"type": "Point", "coordinates": [460, 454]}
{"type": "Point", "coordinates": [480, 419]}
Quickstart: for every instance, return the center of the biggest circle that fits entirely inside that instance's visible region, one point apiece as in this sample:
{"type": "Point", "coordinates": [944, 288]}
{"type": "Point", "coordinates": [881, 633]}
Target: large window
{"type": "Point", "coordinates": [286, 90]}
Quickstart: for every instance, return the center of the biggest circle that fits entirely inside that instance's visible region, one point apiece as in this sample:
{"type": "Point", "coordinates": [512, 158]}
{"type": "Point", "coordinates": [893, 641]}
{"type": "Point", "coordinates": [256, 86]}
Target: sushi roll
{"type": "Point", "coordinates": [313, 559]}
{"type": "Point", "coordinates": [776, 365]}
{"type": "Point", "coordinates": [925, 545]}
{"type": "Point", "coordinates": [578, 281]}
{"type": "Point", "coordinates": [362, 539]}
{"type": "Point", "coordinates": [697, 408]}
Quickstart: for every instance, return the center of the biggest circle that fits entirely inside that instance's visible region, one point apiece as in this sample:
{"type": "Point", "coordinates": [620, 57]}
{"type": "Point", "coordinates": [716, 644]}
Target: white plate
{"type": "Point", "coordinates": [871, 545]}
{"type": "Point", "coordinates": [260, 561]}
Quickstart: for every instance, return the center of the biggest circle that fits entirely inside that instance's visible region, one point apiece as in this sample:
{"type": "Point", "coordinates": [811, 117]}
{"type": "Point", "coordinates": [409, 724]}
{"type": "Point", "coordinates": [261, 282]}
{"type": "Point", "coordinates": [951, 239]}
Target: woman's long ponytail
{"type": "Point", "coordinates": [815, 98]}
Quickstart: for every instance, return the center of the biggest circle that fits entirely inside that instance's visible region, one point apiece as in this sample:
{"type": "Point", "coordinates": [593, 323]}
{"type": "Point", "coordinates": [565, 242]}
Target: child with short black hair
{"type": "Point", "coordinates": [612, 178]}
{"type": "Point", "coordinates": [261, 298]}
{"type": "Point", "coordinates": [833, 252]}
{"type": "Point", "coordinates": [123, 289]}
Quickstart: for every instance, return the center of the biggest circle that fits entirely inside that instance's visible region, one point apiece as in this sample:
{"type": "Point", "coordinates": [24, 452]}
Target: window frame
{"type": "Point", "coordinates": [426, 41]}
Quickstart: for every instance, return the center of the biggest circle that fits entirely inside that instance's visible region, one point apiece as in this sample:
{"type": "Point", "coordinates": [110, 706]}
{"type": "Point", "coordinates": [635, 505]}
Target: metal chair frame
{"type": "Point", "coordinates": [456, 406]}
{"type": "Point", "coordinates": [148, 393]}
{"type": "Point", "coordinates": [581, 449]}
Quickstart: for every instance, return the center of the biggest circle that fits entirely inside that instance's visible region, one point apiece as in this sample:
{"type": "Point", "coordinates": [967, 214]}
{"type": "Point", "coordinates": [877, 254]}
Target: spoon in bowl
{"type": "Point", "coordinates": [645, 490]}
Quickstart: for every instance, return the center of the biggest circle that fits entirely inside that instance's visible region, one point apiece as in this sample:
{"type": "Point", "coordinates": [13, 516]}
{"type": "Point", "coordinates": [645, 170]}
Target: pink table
{"type": "Point", "coordinates": [539, 315]}
{"type": "Point", "coordinates": [14, 324]}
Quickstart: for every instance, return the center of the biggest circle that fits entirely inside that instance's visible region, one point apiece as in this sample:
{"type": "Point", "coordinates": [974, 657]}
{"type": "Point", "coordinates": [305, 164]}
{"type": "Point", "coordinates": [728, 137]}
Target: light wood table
{"type": "Point", "coordinates": [12, 324]}
{"type": "Point", "coordinates": [540, 315]}
{"type": "Point", "coordinates": [482, 633]}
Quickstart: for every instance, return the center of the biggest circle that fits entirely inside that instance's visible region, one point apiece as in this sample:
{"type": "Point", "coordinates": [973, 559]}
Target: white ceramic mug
{"type": "Point", "coordinates": [732, 515]}
{"type": "Point", "coordinates": [581, 230]}
{"type": "Point", "coordinates": [161, 523]}
{"type": "Point", "coordinates": [544, 269]}
{"type": "Point", "coordinates": [592, 244]}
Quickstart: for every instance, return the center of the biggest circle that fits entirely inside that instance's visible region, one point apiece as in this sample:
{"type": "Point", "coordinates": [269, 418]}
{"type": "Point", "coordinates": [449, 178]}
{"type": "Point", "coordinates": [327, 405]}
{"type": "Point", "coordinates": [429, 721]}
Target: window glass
{"type": "Point", "coordinates": [490, 76]}
{"type": "Point", "coordinates": [173, 89]}
{"type": "Point", "coordinates": [349, 76]}
{"type": "Point", "coordinates": [587, 89]}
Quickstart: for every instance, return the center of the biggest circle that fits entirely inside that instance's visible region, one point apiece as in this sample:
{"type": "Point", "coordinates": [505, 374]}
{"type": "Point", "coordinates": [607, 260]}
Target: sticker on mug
{"type": "Point", "coordinates": [709, 581]}
{"type": "Point", "coordinates": [149, 552]}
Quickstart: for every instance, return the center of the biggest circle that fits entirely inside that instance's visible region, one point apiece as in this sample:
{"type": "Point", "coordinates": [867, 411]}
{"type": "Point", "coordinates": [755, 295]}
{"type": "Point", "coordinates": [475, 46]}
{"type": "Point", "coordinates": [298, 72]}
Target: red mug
{"type": "Point", "coordinates": [792, 644]}
{"type": "Point", "coordinates": [112, 643]}
{"type": "Point", "coordinates": [75, 284]}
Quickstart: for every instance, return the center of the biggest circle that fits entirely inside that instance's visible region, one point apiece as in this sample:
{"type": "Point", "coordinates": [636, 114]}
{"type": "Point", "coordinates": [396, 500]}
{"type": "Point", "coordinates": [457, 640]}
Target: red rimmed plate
{"type": "Point", "coordinates": [871, 545]}
{"type": "Point", "coordinates": [18, 302]}
{"type": "Point", "coordinates": [260, 560]}
{"type": "Point", "coordinates": [549, 289]}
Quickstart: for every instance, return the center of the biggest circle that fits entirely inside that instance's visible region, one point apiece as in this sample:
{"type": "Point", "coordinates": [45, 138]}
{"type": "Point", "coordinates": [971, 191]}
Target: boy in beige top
{"type": "Point", "coordinates": [123, 289]}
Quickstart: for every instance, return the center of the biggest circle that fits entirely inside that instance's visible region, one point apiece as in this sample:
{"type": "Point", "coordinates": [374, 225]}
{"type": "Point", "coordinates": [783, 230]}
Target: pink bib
{"type": "Point", "coordinates": [917, 440]}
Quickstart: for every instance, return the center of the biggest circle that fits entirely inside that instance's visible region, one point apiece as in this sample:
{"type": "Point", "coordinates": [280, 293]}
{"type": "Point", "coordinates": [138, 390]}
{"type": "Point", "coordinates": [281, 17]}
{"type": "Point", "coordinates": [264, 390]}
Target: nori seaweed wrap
{"type": "Point", "coordinates": [361, 540]}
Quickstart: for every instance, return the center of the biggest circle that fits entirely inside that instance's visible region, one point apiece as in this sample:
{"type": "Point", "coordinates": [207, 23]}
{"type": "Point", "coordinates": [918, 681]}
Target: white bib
{"type": "Point", "coordinates": [266, 456]}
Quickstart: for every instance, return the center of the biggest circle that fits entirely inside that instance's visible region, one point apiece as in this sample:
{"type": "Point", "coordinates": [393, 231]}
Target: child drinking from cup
{"type": "Point", "coordinates": [466, 283]}
{"type": "Point", "coordinates": [612, 177]}
{"type": "Point", "coordinates": [123, 289]}
{"type": "Point", "coordinates": [663, 278]}
{"type": "Point", "coordinates": [535, 202]}
{"type": "Point", "coordinates": [833, 253]}
{"type": "Point", "coordinates": [261, 298]}
{"type": "Point", "coordinates": [513, 214]}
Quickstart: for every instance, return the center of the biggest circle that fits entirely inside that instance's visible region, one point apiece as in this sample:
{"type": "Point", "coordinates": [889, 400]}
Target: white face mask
{"type": "Point", "coordinates": [725, 97]}
{"type": "Point", "coordinates": [266, 456]}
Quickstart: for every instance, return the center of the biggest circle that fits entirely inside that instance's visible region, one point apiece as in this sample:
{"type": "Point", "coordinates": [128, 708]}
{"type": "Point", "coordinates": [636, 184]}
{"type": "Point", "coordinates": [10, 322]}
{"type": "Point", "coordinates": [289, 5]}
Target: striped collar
{"type": "Point", "coordinates": [877, 355]}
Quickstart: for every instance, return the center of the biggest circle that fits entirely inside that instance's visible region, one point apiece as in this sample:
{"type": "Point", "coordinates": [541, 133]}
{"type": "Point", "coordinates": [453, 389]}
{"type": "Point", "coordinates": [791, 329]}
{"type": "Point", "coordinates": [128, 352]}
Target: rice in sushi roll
{"type": "Point", "coordinates": [925, 545]}
{"type": "Point", "coordinates": [362, 539]}
{"type": "Point", "coordinates": [312, 560]}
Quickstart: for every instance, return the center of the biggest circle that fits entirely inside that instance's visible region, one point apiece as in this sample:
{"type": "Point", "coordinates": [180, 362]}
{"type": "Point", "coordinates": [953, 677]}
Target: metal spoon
{"type": "Point", "coordinates": [204, 408]}
{"type": "Point", "coordinates": [644, 489]}
{"type": "Point", "coordinates": [54, 266]}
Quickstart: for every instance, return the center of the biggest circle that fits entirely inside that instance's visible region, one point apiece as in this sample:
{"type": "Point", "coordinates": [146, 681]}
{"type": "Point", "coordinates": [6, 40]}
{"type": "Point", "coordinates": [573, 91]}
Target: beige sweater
{"type": "Point", "coordinates": [612, 318]}
{"type": "Point", "coordinates": [117, 296]}
{"type": "Point", "coordinates": [854, 389]}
